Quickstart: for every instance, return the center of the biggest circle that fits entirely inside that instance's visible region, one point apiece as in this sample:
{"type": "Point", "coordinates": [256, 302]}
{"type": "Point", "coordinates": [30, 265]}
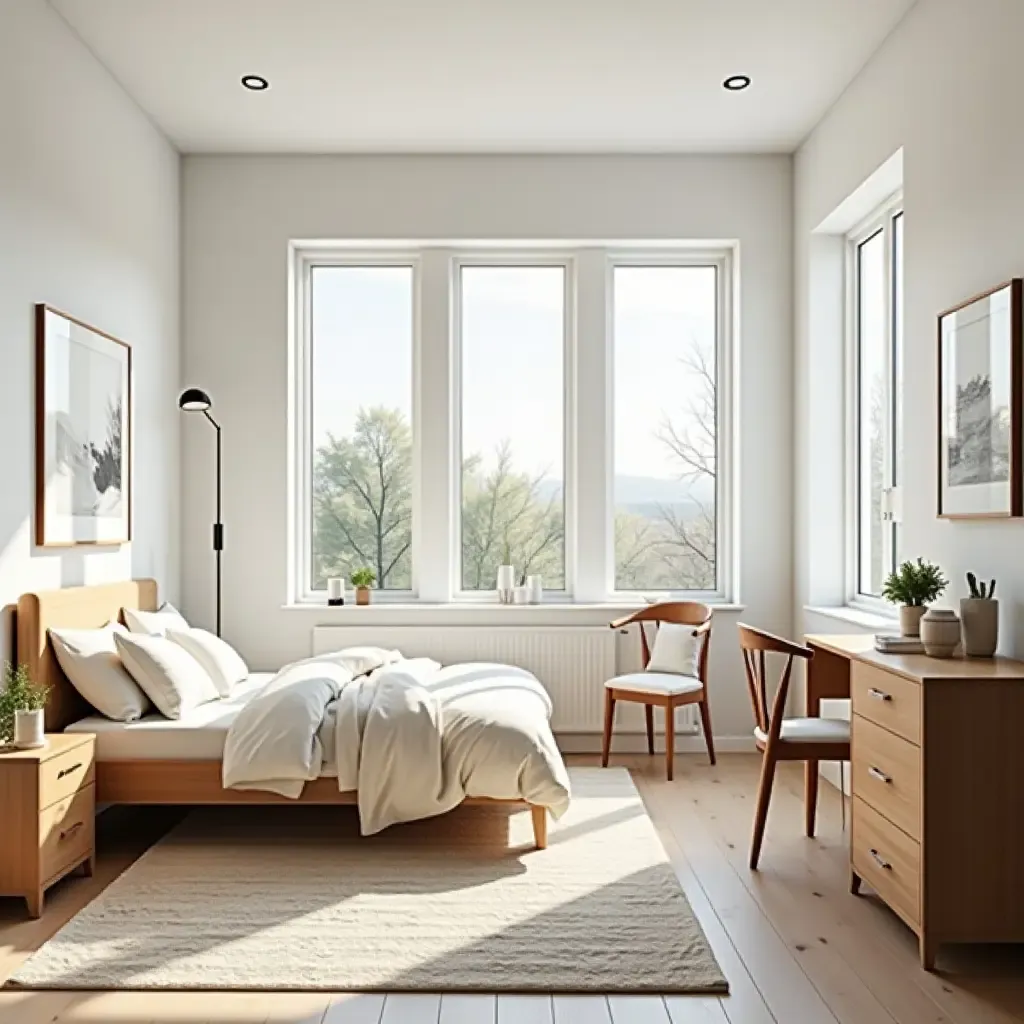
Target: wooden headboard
{"type": "Point", "coordinates": [73, 608]}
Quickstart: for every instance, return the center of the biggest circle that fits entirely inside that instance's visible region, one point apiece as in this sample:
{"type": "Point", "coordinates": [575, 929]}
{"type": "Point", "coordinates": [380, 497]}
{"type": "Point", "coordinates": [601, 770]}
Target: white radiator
{"type": "Point", "coordinates": [572, 662]}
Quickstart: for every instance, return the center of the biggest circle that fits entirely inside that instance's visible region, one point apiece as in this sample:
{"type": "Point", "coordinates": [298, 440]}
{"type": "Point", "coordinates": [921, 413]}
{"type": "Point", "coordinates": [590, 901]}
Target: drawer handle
{"type": "Point", "coordinates": [880, 860]}
{"type": "Point", "coordinates": [879, 694]}
{"type": "Point", "coordinates": [877, 773]}
{"type": "Point", "coordinates": [69, 832]}
{"type": "Point", "coordinates": [69, 771]}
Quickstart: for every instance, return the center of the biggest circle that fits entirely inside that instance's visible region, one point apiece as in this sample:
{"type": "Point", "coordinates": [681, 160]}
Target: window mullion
{"type": "Point", "coordinates": [435, 455]}
{"type": "Point", "coordinates": [594, 560]}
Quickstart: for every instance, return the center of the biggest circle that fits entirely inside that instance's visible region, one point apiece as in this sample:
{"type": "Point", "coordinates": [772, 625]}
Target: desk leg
{"type": "Point", "coordinates": [812, 710]}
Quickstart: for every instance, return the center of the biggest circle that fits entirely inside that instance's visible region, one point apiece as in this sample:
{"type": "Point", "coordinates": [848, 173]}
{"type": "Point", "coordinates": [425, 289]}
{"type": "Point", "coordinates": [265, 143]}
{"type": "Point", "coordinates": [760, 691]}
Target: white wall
{"type": "Point", "coordinates": [89, 223]}
{"type": "Point", "coordinates": [946, 88]}
{"type": "Point", "coordinates": [240, 213]}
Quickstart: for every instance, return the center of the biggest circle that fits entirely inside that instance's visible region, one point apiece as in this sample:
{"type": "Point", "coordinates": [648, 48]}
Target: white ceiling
{"type": "Point", "coordinates": [484, 75]}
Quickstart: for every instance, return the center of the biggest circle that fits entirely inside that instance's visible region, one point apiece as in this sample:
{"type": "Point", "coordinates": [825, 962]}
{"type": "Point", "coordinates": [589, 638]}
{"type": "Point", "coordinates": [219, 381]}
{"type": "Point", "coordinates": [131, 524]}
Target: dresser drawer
{"type": "Point", "coordinates": [66, 832]}
{"type": "Point", "coordinates": [64, 774]}
{"type": "Point", "coordinates": [887, 699]}
{"type": "Point", "coordinates": [887, 774]}
{"type": "Point", "coordinates": [888, 860]}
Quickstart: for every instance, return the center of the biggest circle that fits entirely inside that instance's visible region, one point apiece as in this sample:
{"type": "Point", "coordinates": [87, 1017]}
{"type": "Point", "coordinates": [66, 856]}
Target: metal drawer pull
{"type": "Point", "coordinates": [877, 773]}
{"type": "Point", "coordinates": [68, 832]}
{"type": "Point", "coordinates": [879, 694]}
{"type": "Point", "coordinates": [880, 860]}
{"type": "Point", "coordinates": [68, 771]}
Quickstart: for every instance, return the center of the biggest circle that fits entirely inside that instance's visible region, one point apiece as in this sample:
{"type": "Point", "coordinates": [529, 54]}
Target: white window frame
{"type": "Point", "coordinates": [725, 457]}
{"type": "Point", "coordinates": [564, 261]}
{"type": "Point", "coordinates": [880, 220]}
{"type": "Point", "coordinates": [588, 425]}
{"type": "Point", "coordinates": [304, 261]}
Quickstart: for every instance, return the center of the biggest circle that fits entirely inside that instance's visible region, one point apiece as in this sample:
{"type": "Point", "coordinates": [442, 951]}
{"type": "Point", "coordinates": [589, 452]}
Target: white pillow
{"type": "Point", "coordinates": [223, 664]}
{"type": "Point", "coordinates": [90, 661]}
{"type": "Point", "coordinates": [172, 679]}
{"type": "Point", "coordinates": [154, 623]}
{"type": "Point", "coordinates": [676, 650]}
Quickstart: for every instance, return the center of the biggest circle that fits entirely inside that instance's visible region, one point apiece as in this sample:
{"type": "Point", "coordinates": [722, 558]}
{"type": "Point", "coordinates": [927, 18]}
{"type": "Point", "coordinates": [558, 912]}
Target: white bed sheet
{"type": "Point", "coordinates": [199, 736]}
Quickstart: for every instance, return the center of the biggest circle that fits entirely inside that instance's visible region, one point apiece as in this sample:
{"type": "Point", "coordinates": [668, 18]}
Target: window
{"type": "Point", "coordinates": [877, 332]}
{"type": "Point", "coordinates": [666, 427]}
{"type": "Point", "coordinates": [361, 346]}
{"type": "Point", "coordinates": [512, 347]}
{"type": "Point", "coordinates": [457, 407]}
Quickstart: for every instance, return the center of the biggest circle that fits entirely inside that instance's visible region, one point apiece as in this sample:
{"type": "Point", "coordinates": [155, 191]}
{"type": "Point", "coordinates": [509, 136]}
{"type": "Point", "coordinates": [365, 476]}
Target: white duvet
{"type": "Point", "coordinates": [412, 738]}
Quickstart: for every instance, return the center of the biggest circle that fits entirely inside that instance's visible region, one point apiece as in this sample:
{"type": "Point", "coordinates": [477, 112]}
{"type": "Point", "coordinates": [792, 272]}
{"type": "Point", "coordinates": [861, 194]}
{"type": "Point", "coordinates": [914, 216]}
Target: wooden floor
{"type": "Point", "coordinates": [795, 946]}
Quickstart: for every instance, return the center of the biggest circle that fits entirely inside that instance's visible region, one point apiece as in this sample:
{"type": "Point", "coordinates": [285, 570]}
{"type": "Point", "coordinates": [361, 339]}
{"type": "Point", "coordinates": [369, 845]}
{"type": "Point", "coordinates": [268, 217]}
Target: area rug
{"type": "Point", "coordinates": [293, 898]}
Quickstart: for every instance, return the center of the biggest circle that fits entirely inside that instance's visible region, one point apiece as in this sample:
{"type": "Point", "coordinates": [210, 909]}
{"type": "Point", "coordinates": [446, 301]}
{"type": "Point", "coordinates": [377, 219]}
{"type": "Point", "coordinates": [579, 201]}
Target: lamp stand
{"type": "Point", "coordinates": [218, 526]}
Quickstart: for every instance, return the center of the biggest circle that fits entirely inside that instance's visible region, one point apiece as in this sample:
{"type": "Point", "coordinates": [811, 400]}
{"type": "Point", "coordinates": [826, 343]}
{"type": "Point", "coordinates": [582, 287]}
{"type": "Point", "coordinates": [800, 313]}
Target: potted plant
{"type": "Point", "coordinates": [913, 586]}
{"type": "Point", "coordinates": [362, 580]}
{"type": "Point", "coordinates": [979, 619]}
{"type": "Point", "coordinates": [21, 709]}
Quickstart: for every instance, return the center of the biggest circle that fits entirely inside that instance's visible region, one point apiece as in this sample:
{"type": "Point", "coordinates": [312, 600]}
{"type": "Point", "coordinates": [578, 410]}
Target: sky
{"type": "Point", "coordinates": [512, 356]}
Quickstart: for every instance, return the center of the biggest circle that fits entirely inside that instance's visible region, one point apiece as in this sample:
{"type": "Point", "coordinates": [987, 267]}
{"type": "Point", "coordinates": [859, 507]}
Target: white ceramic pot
{"type": "Point", "coordinates": [910, 619]}
{"type": "Point", "coordinates": [28, 729]}
{"type": "Point", "coordinates": [521, 595]}
{"type": "Point", "coordinates": [940, 632]}
{"type": "Point", "coordinates": [506, 583]}
{"type": "Point", "coordinates": [535, 585]}
{"type": "Point", "coordinates": [980, 621]}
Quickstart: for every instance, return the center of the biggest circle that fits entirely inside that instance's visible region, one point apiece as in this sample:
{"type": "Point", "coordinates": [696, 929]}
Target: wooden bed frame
{"type": "Point", "coordinates": [150, 781]}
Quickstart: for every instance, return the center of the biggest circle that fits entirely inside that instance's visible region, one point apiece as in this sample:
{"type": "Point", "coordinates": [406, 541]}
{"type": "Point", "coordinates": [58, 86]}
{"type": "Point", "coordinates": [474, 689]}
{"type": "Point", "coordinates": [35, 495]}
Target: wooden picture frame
{"type": "Point", "coordinates": [981, 405]}
{"type": "Point", "coordinates": [83, 434]}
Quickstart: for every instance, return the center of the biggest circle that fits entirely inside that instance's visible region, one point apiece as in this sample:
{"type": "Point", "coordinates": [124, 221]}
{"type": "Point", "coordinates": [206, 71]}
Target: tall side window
{"type": "Point", "coordinates": [876, 258]}
{"type": "Point", "coordinates": [512, 343]}
{"type": "Point", "coordinates": [360, 389]}
{"type": "Point", "coordinates": [666, 435]}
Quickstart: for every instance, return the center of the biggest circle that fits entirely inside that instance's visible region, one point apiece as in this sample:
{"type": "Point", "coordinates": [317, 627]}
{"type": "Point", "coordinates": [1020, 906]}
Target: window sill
{"type": "Point", "coordinates": [855, 616]}
{"type": "Point", "coordinates": [473, 610]}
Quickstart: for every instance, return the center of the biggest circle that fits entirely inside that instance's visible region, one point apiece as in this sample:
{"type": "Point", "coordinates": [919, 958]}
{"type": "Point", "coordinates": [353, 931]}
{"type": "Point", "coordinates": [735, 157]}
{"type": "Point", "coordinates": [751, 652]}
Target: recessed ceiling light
{"type": "Point", "coordinates": [255, 83]}
{"type": "Point", "coordinates": [736, 83]}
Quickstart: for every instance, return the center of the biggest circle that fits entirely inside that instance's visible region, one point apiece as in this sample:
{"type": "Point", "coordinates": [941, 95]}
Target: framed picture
{"type": "Point", "coordinates": [83, 433]}
{"type": "Point", "coordinates": [981, 388]}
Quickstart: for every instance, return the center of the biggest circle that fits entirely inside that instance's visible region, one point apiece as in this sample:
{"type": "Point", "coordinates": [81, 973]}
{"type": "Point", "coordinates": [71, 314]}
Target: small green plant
{"type": "Point", "coordinates": [979, 590]}
{"type": "Point", "coordinates": [363, 578]}
{"type": "Point", "coordinates": [506, 554]}
{"type": "Point", "coordinates": [18, 693]}
{"type": "Point", "coordinates": [914, 584]}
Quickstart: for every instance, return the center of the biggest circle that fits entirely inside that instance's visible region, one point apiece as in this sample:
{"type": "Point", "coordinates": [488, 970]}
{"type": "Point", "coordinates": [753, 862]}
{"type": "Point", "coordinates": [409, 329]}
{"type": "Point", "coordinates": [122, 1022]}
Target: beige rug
{"type": "Point", "coordinates": [293, 898]}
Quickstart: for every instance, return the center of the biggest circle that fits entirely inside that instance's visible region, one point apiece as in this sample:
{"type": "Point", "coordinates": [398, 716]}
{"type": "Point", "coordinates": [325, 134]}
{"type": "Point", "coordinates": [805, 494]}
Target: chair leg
{"type": "Point", "coordinates": [705, 717]}
{"type": "Point", "coordinates": [810, 796]}
{"type": "Point", "coordinates": [649, 713]}
{"type": "Point", "coordinates": [670, 740]}
{"type": "Point", "coordinates": [609, 717]}
{"type": "Point", "coordinates": [764, 796]}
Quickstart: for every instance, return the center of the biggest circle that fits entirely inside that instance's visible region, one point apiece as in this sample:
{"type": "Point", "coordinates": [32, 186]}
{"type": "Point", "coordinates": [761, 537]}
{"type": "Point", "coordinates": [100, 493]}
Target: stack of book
{"type": "Point", "coordinates": [893, 643]}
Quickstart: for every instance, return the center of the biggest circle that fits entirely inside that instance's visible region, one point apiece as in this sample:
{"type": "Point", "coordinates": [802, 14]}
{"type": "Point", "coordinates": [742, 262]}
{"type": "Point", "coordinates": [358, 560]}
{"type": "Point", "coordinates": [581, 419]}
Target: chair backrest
{"type": "Point", "coordinates": [755, 644]}
{"type": "Point", "coordinates": [681, 613]}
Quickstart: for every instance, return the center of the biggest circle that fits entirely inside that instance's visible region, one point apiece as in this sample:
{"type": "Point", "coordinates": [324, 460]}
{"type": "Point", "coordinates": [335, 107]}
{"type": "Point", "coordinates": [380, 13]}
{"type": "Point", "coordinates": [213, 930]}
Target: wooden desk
{"type": "Point", "coordinates": [937, 778]}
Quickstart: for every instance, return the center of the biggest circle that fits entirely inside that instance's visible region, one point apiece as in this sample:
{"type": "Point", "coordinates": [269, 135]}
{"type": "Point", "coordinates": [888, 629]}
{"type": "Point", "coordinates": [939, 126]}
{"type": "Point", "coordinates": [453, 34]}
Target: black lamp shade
{"type": "Point", "coordinates": [194, 400]}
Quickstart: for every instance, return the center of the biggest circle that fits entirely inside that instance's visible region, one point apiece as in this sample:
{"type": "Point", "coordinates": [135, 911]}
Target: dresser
{"type": "Point", "coordinates": [937, 780]}
{"type": "Point", "coordinates": [48, 808]}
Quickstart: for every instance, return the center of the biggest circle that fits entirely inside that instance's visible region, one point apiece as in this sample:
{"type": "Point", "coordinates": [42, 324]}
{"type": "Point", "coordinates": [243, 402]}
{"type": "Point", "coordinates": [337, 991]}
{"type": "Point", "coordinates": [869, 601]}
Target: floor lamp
{"type": "Point", "coordinates": [194, 400]}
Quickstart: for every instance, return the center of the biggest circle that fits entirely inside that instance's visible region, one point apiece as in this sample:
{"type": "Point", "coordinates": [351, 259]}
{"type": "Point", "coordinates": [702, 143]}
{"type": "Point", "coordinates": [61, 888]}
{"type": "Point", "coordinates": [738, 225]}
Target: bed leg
{"type": "Point", "coordinates": [540, 826]}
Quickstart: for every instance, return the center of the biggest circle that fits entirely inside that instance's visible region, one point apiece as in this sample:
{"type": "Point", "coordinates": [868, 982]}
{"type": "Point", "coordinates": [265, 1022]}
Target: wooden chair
{"type": "Point", "coordinates": [780, 738]}
{"type": "Point", "coordinates": [662, 689]}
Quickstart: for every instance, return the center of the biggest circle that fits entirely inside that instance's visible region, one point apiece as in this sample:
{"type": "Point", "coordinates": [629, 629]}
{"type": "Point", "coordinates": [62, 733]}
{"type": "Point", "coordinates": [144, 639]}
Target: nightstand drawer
{"type": "Point", "coordinates": [888, 860]}
{"type": "Point", "coordinates": [66, 833]}
{"type": "Point", "coordinates": [66, 773]}
{"type": "Point", "coordinates": [887, 774]}
{"type": "Point", "coordinates": [887, 699]}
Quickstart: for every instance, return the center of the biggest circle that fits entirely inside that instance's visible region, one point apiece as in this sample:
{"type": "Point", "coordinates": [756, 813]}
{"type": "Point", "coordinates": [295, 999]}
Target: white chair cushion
{"type": "Point", "coordinates": [676, 649]}
{"type": "Point", "coordinates": [811, 730]}
{"type": "Point", "coordinates": [663, 683]}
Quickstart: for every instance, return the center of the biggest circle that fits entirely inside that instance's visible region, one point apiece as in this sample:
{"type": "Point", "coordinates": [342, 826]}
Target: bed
{"type": "Point", "coordinates": [156, 760]}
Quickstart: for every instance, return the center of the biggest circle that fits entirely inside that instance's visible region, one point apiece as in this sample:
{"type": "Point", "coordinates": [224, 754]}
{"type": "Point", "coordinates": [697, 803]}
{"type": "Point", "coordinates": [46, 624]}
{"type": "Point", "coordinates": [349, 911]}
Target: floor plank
{"type": "Point", "coordinates": [581, 1010]}
{"type": "Point", "coordinates": [468, 1008]}
{"type": "Point", "coordinates": [524, 1009]}
{"type": "Point", "coordinates": [411, 1008]}
{"type": "Point", "coordinates": [355, 1008]}
{"type": "Point", "coordinates": [695, 1010]}
{"type": "Point", "coordinates": [638, 1010]}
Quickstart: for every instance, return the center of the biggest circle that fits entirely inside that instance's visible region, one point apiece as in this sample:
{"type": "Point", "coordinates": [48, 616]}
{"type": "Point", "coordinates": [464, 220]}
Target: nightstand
{"type": "Point", "coordinates": [48, 810]}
